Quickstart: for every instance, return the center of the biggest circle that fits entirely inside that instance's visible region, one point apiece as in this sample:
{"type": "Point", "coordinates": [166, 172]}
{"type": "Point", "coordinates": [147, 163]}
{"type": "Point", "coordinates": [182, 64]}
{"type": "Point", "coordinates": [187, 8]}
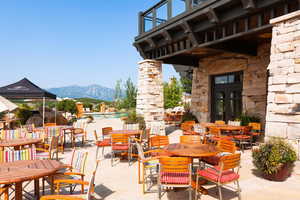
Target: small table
{"type": "Point", "coordinates": [17, 143]}
{"type": "Point", "coordinates": [25, 170]}
{"type": "Point", "coordinates": [129, 132]}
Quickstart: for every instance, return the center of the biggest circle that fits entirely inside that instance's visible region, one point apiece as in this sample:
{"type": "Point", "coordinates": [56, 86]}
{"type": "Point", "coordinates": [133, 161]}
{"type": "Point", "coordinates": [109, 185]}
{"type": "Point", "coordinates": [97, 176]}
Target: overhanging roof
{"type": "Point", "coordinates": [25, 89]}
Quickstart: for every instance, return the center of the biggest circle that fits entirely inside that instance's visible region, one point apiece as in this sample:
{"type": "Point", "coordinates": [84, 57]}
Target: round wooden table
{"type": "Point", "coordinates": [129, 132]}
{"type": "Point", "coordinates": [25, 170]}
{"type": "Point", "coordinates": [191, 150]}
{"type": "Point", "coordinates": [17, 143]}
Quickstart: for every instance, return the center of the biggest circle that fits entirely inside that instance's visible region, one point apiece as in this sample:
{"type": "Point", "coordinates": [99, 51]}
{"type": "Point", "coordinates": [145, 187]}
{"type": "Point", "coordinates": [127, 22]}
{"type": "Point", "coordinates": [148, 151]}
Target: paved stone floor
{"type": "Point", "coordinates": [120, 181]}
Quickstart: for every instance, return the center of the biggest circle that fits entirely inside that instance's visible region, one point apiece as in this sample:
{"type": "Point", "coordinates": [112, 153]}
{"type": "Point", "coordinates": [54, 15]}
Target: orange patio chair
{"type": "Point", "coordinates": [175, 172]}
{"type": "Point", "coordinates": [225, 147]}
{"type": "Point", "coordinates": [4, 192]}
{"type": "Point", "coordinates": [87, 196]}
{"type": "Point", "coordinates": [159, 141]}
{"type": "Point", "coordinates": [215, 134]}
{"type": "Point", "coordinates": [190, 139]}
{"type": "Point", "coordinates": [120, 143]}
{"type": "Point", "coordinates": [105, 142]}
{"type": "Point", "coordinates": [50, 152]}
{"type": "Point", "coordinates": [244, 138]}
{"type": "Point", "coordinates": [226, 172]}
{"type": "Point", "coordinates": [144, 138]}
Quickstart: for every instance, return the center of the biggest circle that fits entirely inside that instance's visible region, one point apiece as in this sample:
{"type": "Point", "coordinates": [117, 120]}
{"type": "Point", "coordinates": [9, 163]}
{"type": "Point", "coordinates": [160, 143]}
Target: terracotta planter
{"type": "Point", "coordinates": [282, 174]}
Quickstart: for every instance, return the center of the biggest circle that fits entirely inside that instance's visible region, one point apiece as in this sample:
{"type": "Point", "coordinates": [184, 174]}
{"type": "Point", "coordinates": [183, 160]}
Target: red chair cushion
{"type": "Point", "coordinates": [242, 137]}
{"type": "Point", "coordinates": [217, 138]}
{"type": "Point", "coordinates": [212, 160]}
{"type": "Point", "coordinates": [103, 143]}
{"type": "Point", "coordinates": [120, 147]}
{"type": "Point", "coordinates": [213, 175]}
{"type": "Point", "coordinates": [174, 177]}
{"type": "Point", "coordinates": [190, 133]}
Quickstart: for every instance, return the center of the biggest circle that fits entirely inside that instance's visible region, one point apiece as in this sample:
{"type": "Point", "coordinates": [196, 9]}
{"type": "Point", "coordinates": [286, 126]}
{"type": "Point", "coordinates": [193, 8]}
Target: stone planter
{"type": "Point", "coordinates": [282, 174]}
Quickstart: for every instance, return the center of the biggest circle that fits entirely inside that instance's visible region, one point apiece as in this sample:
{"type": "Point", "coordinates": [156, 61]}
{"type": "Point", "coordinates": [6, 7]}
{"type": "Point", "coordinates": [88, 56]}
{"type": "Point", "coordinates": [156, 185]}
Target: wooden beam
{"type": "Point", "coordinates": [248, 4]}
{"type": "Point", "coordinates": [212, 16]}
{"type": "Point", "coordinates": [167, 36]}
{"type": "Point", "coordinates": [140, 50]}
{"type": "Point", "coordinates": [188, 30]}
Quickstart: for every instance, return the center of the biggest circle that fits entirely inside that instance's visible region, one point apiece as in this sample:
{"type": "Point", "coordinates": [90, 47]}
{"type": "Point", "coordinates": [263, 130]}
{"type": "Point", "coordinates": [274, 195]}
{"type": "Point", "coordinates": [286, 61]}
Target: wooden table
{"type": "Point", "coordinates": [193, 151]}
{"type": "Point", "coordinates": [17, 143]}
{"type": "Point", "coordinates": [224, 127]}
{"type": "Point", "coordinates": [129, 132]}
{"type": "Point", "coordinates": [25, 170]}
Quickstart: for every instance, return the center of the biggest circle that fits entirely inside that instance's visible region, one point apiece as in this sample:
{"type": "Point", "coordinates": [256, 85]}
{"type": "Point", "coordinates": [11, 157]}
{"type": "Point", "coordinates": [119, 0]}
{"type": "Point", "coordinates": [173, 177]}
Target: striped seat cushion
{"type": "Point", "coordinates": [213, 175]}
{"type": "Point", "coordinates": [42, 155]}
{"type": "Point", "coordinates": [174, 177]}
{"type": "Point", "coordinates": [103, 143]}
{"type": "Point", "coordinates": [120, 147]}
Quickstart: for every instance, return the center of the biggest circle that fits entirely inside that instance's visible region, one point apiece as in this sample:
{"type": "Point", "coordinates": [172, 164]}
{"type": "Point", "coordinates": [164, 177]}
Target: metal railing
{"type": "Point", "coordinates": [164, 11]}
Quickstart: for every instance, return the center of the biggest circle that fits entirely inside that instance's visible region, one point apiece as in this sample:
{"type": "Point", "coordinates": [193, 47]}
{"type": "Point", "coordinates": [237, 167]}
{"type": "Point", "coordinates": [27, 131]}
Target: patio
{"type": "Point", "coordinates": [120, 181]}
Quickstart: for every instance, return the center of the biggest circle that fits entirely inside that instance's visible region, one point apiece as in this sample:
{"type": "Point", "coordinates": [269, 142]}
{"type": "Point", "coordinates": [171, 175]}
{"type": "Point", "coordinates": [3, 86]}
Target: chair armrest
{"type": "Point", "coordinates": [62, 197]}
{"type": "Point", "coordinates": [70, 181]}
{"type": "Point", "coordinates": [74, 173]}
{"type": "Point", "coordinates": [153, 151]}
{"type": "Point", "coordinates": [41, 149]}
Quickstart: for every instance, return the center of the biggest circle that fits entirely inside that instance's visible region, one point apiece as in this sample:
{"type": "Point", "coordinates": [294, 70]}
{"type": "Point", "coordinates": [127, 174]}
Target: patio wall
{"type": "Point", "coordinates": [254, 81]}
{"type": "Point", "coordinates": [283, 111]}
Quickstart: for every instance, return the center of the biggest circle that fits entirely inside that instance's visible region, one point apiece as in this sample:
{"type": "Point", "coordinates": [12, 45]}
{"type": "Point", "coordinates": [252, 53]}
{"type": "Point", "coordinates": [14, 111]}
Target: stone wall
{"type": "Point", "coordinates": [150, 100]}
{"type": "Point", "coordinates": [254, 81]}
{"type": "Point", "coordinates": [283, 111]}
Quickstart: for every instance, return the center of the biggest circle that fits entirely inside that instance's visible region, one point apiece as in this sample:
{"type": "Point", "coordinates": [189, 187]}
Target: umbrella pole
{"type": "Point", "coordinates": [43, 111]}
{"type": "Point", "coordinates": [55, 111]}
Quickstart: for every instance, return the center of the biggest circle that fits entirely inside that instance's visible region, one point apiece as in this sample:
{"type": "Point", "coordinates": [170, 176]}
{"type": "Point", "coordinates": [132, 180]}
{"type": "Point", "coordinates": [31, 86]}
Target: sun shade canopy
{"type": "Point", "coordinates": [25, 89]}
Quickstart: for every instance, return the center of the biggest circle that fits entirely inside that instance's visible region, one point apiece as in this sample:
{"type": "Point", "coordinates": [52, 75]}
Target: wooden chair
{"type": "Point", "coordinates": [224, 147]}
{"type": "Point", "coordinates": [4, 191]}
{"type": "Point", "coordinates": [120, 143]}
{"type": "Point", "coordinates": [57, 132]}
{"type": "Point", "coordinates": [75, 170]}
{"type": "Point", "coordinates": [88, 196]}
{"type": "Point", "coordinates": [144, 138]}
{"type": "Point", "coordinates": [149, 165]}
{"type": "Point", "coordinates": [226, 172]}
{"type": "Point", "coordinates": [220, 122]}
{"type": "Point", "coordinates": [190, 139]}
{"type": "Point", "coordinates": [187, 125]}
{"type": "Point", "coordinates": [175, 172]}
{"type": "Point", "coordinates": [79, 131]}
{"type": "Point", "coordinates": [256, 131]}
{"type": "Point", "coordinates": [105, 142]}
{"type": "Point", "coordinates": [12, 134]}
{"type": "Point", "coordinates": [50, 152]}
{"type": "Point", "coordinates": [244, 138]}
{"type": "Point", "coordinates": [157, 142]}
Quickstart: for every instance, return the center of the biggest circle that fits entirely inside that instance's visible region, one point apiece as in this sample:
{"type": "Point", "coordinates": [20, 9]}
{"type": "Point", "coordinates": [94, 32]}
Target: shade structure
{"type": "Point", "coordinates": [25, 89]}
{"type": "Point", "coordinates": [6, 105]}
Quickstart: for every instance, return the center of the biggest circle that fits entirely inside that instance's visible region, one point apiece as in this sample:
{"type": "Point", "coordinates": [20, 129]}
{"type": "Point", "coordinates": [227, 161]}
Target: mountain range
{"type": "Point", "coordinates": [91, 91]}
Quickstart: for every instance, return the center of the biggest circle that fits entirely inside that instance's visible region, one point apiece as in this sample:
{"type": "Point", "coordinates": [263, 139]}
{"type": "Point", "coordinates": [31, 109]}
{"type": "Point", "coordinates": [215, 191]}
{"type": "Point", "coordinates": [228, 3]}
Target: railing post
{"type": "Point", "coordinates": [169, 9]}
{"type": "Point", "coordinates": [141, 23]}
{"type": "Point", "coordinates": [154, 18]}
{"type": "Point", "coordinates": [188, 5]}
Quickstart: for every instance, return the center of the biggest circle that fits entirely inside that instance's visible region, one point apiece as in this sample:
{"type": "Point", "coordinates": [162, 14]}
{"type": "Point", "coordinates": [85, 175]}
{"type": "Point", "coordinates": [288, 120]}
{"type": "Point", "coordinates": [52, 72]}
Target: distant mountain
{"type": "Point", "coordinates": [91, 91]}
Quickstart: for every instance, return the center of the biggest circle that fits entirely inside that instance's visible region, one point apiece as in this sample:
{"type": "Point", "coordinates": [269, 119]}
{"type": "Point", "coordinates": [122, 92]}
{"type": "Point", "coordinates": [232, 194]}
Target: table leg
{"type": "Point", "coordinates": [18, 191]}
{"type": "Point", "coordinates": [52, 184]}
{"type": "Point", "coordinates": [37, 188]}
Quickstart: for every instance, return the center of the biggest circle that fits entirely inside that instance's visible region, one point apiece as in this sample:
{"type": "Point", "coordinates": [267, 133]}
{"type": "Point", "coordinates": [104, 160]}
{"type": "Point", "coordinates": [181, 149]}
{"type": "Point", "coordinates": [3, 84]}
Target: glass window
{"type": "Point", "coordinates": [221, 80]}
{"type": "Point", "coordinates": [225, 79]}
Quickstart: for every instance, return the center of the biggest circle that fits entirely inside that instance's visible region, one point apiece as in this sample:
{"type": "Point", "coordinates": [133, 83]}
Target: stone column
{"type": "Point", "coordinates": [150, 99]}
{"type": "Point", "coordinates": [283, 107]}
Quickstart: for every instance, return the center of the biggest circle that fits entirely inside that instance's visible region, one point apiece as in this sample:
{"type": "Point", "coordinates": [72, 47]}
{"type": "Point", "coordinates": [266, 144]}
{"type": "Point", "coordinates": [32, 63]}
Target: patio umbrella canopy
{"type": "Point", "coordinates": [6, 105]}
{"type": "Point", "coordinates": [25, 89]}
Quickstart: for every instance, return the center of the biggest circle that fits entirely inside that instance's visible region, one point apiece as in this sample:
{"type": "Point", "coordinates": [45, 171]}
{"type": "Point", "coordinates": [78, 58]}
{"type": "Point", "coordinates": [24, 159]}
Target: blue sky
{"type": "Point", "coordinates": [58, 43]}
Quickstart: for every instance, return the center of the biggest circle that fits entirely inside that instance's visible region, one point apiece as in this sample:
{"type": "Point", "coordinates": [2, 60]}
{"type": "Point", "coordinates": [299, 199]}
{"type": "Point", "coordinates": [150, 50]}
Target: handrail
{"type": "Point", "coordinates": [189, 4]}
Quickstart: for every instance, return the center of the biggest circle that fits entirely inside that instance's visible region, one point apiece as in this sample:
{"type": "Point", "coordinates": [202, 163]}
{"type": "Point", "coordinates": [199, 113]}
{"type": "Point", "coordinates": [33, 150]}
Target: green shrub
{"type": "Point", "coordinates": [271, 156]}
{"type": "Point", "coordinates": [246, 119]}
{"type": "Point", "coordinates": [188, 116]}
{"type": "Point", "coordinates": [23, 114]}
{"type": "Point", "coordinates": [133, 118]}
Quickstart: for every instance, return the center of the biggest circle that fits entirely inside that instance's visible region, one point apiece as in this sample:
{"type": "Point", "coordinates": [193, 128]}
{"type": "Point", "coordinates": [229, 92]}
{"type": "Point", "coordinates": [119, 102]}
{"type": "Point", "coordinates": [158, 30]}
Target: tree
{"type": "Point", "coordinates": [129, 100]}
{"type": "Point", "coordinates": [172, 93]}
{"type": "Point", "coordinates": [118, 90]}
{"type": "Point", "coordinates": [186, 85]}
{"type": "Point", "coordinates": [67, 106]}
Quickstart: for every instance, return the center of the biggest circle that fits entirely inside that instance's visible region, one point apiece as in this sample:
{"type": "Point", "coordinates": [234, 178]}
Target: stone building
{"type": "Point", "coordinates": [242, 55]}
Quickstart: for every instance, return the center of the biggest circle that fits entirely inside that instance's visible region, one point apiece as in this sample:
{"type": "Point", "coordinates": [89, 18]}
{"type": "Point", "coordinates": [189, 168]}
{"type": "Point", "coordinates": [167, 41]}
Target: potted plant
{"type": "Point", "coordinates": [133, 118]}
{"type": "Point", "coordinates": [274, 159]}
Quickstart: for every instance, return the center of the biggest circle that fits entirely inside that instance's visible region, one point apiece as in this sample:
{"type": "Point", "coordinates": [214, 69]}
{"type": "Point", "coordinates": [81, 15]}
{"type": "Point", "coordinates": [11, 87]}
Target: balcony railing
{"type": "Point", "coordinates": [163, 11]}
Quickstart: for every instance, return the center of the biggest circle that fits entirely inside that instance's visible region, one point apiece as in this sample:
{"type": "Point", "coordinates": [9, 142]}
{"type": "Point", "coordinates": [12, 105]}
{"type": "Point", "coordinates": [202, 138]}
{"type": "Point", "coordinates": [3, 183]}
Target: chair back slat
{"type": "Point", "coordinates": [220, 122]}
{"type": "Point", "coordinates": [159, 141]}
{"type": "Point", "coordinates": [255, 126]}
{"type": "Point", "coordinates": [106, 130]}
{"type": "Point", "coordinates": [15, 155]}
{"type": "Point", "coordinates": [190, 139]}
{"type": "Point", "coordinates": [79, 161]}
{"type": "Point", "coordinates": [119, 139]}
{"type": "Point", "coordinates": [175, 164]}
{"type": "Point", "coordinates": [230, 161]}
{"type": "Point", "coordinates": [92, 182]}
{"type": "Point", "coordinates": [214, 131]}
{"type": "Point", "coordinates": [140, 151]}
{"type": "Point", "coordinates": [12, 134]}
{"type": "Point", "coordinates": [226, 146]}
